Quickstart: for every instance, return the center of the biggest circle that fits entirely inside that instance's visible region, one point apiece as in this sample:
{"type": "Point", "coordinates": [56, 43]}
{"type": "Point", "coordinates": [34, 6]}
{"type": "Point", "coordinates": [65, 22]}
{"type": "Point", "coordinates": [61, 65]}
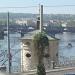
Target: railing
{"type": "Point", "coordinates": [4, 60]}
{"type": "Point", "coordinates": [67, 62]}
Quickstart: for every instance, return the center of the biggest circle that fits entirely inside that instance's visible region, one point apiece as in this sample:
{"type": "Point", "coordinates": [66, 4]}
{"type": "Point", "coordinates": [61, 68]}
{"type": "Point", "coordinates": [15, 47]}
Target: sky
{"type": "Point", "coordinates": [29, 3]}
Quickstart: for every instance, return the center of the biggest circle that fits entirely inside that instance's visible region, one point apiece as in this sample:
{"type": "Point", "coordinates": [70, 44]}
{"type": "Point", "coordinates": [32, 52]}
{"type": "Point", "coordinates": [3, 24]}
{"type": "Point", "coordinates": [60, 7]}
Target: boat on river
{"type": "Point", "coordinates": [69, 45]}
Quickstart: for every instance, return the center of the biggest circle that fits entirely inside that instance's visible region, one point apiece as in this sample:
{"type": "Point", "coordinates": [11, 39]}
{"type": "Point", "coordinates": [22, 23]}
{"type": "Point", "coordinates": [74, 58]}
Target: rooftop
{"type": "Point", "coordinates": [30, 35]}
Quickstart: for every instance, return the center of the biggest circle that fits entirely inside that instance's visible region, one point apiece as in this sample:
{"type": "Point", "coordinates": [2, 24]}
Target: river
{"type": "Point", "coordinates": [15, 47]}
{"type": "Point", "coordinates": [65, 50]}
{"type": "Point", "coordinates": [66, 47]}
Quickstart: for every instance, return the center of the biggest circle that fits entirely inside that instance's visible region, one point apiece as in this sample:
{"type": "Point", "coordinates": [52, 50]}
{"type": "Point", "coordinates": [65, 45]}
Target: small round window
{"type": "Point", "coordinates": [28, 43]}
{"type": "Point", "coordinates": [28, 55]}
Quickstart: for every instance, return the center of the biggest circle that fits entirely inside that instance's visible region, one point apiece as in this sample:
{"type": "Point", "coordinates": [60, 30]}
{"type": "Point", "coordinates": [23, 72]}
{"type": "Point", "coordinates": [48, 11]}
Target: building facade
{"type": "Point", "coordinates": [29, 58]}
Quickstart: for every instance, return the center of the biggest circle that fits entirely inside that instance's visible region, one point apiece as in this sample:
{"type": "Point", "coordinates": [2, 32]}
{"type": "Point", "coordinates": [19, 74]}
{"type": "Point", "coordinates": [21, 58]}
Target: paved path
{"type": "Point", "coordinates": [62, 71]}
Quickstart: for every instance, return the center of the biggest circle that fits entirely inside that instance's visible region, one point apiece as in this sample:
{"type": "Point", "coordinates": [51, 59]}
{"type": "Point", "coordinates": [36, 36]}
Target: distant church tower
{"type": "Point", "coordinates": [29, 58]}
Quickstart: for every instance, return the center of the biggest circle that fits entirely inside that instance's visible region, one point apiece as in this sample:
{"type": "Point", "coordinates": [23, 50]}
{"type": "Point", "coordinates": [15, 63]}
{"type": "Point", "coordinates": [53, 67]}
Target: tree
{"type": "Point", "coordinates": [40, 42]}
{"type": "Point", "coordinates": [71, 23]}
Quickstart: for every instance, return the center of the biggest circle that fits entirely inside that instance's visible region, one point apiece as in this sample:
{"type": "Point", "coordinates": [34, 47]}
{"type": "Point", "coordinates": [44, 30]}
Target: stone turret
{"type": "Point", "coordinates": [29, 58]}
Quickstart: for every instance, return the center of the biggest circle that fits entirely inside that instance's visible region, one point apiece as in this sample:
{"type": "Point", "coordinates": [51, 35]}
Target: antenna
{"type": "Point", "coordinates": [9, 56]}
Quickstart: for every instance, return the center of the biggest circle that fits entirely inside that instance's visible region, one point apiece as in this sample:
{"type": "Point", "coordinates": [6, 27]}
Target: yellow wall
{"type": "Point", "coordinates": [30, 63]}
{"type": "Point", "coordinates": [53, 50]}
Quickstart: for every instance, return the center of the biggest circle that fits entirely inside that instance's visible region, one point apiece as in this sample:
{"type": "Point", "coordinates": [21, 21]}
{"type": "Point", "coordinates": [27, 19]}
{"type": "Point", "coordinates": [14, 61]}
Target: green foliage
{"type": "Point", "coordinates": [71, 23]}
{"type": "Point", "coordinates": [3, 22]}
{"type": "Point", "coordinates": [41, 69]}
{"type": "Point", "coordinates": [41, 40]}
